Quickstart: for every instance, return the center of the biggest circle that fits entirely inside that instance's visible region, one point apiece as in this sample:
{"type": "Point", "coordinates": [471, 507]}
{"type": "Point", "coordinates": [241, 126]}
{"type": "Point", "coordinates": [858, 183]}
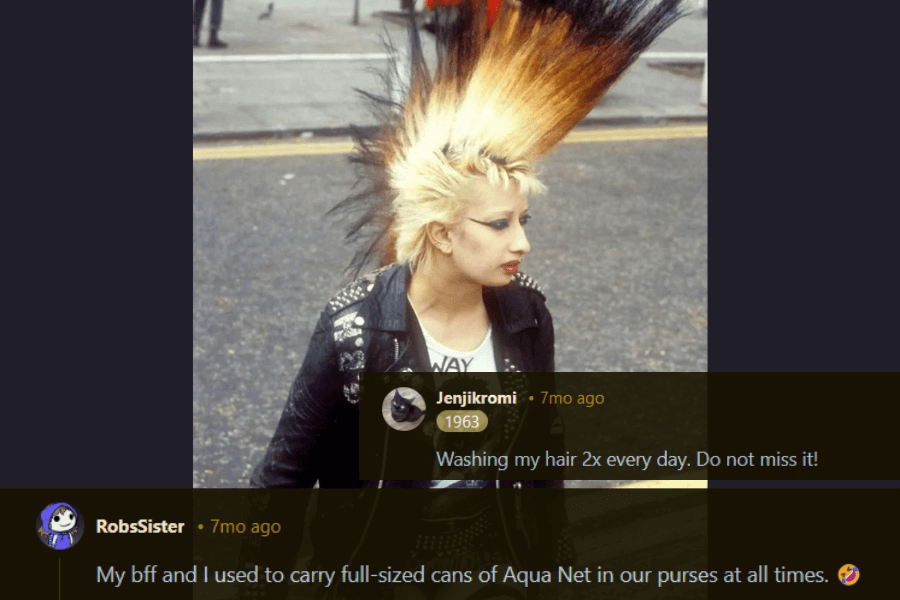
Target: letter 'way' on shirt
{"type": "Point", "coordinates": [445, 360]}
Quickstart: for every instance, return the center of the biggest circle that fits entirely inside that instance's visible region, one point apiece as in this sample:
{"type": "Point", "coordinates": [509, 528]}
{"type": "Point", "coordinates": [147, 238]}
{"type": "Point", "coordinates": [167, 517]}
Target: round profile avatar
{"type": "Point", "coordinates": [849, 575]}
{"type": "Point", "coordinates": [403, 409]}
{"type": "Point", "coordinates": [60, 526]}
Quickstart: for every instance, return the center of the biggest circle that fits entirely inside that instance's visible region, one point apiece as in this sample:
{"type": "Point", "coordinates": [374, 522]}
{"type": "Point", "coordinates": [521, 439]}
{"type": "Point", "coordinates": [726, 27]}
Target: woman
{"type": "Point", "coordinates": [450, 178]}
{"type": "Point", "coordinates": [456, 303]}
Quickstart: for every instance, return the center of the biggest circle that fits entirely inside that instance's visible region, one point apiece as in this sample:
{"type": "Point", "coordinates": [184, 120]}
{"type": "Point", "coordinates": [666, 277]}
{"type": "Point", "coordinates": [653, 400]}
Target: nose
{"type": "Point", "coordinates": [520, 243]}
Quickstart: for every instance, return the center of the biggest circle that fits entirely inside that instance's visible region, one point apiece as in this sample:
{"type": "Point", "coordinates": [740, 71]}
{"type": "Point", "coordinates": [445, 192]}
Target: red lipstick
{"type": "Point", "coordinates": [511, 267]}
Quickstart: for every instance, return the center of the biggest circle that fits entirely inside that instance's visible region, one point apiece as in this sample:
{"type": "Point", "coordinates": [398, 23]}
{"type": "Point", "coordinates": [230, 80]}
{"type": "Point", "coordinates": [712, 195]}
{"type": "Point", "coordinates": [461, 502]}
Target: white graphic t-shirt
{"type": "Point", "coordinates": [445, 360]}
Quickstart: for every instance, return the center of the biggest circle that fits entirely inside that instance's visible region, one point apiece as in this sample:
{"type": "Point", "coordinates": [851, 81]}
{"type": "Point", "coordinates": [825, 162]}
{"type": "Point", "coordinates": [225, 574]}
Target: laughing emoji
{"type": "Point", "coordinates": [848, 574]}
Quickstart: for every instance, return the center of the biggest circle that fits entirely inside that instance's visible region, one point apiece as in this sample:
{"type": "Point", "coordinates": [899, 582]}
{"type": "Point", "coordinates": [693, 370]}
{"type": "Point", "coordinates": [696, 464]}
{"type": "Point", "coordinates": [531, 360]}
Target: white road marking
{"type": "Point", "coordinates": [675, 56]}
{"type": "Point", "coordinates": [286, 57]}
{"type": "Point", "coordinates": [220, 58]}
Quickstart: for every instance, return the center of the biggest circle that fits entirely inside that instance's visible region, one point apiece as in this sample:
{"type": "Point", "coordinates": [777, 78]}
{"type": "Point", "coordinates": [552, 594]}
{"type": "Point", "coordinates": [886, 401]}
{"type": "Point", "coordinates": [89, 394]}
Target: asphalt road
{"type": "Point", "coordinates": [619, 244]}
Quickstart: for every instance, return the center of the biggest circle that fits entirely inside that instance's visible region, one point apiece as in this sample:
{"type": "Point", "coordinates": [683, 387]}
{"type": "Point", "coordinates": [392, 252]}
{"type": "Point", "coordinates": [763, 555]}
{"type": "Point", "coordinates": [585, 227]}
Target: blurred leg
{"type": "Point", "coordinates": [199, 5]}
{"type": "Point", "coordinates": [215, 21]}
{"type": "Point", "coordinates": [215, 15]}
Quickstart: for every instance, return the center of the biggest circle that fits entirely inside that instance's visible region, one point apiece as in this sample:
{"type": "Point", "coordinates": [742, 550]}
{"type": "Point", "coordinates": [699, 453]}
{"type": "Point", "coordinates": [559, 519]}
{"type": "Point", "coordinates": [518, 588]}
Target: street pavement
{"type": "Point", "coordinates": [240, 97]}
{"type": "Point", "coordinates": [619, 244]}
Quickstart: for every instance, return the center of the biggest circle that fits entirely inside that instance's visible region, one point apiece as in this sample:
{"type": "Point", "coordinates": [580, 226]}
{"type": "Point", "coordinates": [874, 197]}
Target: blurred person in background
{"type": "Point", "coordinates": [215, 22]}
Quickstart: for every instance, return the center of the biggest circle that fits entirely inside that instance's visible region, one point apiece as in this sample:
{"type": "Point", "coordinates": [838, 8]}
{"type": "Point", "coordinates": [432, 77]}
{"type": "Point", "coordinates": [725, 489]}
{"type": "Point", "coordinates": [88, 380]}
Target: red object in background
{"type": "Point", "coordinates": [492, 7]}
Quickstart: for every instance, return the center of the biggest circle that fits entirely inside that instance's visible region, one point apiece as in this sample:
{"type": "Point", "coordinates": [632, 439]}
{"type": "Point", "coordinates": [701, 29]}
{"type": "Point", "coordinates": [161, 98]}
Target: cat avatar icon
{"type": "Point", "coordinates": [403, 409]}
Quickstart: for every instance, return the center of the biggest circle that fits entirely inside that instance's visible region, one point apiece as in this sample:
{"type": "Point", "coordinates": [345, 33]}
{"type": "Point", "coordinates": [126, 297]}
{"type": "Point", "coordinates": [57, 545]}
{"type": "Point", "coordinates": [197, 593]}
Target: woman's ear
{"type": "Point", "coordinates": [439, 236]}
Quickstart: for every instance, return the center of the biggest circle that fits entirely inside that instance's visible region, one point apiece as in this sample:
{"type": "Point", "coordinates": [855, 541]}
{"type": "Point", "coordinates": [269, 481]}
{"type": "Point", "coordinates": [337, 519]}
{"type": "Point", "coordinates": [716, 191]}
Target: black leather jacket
{"type": "Point", "coordinates": [370, 326]}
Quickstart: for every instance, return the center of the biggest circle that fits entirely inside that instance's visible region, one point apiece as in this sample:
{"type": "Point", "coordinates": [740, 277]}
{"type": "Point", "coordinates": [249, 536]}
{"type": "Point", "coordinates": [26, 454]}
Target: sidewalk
{"type": "Point", "coordinates": [247, 93]}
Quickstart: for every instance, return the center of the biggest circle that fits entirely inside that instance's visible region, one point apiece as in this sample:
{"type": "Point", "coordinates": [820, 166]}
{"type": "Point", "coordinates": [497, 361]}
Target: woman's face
{"type": "Point", "coordinates": [489, 241]}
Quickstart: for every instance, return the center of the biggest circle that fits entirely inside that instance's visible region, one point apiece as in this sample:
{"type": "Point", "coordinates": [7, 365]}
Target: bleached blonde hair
{"type": "Point", "coordinates": [501, 97]}
{"type": "Point", "coordinates": [440, 190]}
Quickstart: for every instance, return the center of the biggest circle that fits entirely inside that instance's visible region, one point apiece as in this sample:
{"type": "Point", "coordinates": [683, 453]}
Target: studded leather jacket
{"type": "Point", "coordinates": [370, 326]}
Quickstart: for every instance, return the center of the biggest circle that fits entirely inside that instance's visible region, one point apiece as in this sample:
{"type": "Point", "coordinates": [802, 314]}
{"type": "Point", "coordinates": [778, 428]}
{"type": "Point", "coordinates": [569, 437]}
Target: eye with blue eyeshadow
{"type": "Point", "coordinates": [501, 224]}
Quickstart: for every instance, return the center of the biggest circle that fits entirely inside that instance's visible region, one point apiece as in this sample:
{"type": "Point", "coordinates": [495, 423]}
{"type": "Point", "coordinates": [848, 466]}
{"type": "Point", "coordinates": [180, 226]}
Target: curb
{"type": "Point", "coordinates": [278, 134]}
{"type": "Point", "coordinates": [329, 132]}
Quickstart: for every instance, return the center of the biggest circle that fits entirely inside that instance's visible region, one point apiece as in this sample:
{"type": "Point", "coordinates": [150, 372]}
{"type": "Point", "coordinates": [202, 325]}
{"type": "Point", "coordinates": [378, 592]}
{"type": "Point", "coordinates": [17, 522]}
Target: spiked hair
{"type": "Point", "coordinates": [502, 96]}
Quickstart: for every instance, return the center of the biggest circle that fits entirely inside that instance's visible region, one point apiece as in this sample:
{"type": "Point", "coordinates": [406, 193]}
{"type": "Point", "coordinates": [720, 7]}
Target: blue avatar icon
{"type": "Point", "coordinates": [59, 525]}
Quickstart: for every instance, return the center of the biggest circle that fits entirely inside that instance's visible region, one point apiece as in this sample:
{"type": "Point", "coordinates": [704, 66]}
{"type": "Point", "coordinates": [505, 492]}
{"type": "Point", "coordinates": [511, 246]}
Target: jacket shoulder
{"type": "Point", "coordinates": [355, 292]}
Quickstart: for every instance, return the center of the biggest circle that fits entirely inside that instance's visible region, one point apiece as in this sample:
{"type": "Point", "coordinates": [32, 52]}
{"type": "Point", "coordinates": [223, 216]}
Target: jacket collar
{"type": "Point", "coordinates": [510, 307]}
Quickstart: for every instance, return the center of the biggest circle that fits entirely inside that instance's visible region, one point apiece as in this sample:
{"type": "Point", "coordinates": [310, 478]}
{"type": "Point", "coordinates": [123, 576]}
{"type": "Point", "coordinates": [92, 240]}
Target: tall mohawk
{"type": "Point", "coordinates": [509, 84]}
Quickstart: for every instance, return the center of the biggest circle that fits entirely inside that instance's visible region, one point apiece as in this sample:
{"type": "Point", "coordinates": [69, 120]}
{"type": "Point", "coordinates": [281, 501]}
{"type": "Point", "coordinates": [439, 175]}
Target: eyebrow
{"type": "Point", "coordinates": [507, 213]}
